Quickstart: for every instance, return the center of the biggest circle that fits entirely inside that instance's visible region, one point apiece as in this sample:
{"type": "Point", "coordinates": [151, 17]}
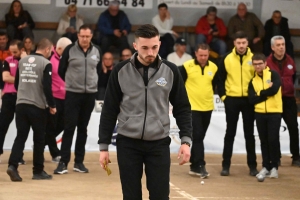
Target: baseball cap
{"type": "Point", "coordinates": [180, 41]}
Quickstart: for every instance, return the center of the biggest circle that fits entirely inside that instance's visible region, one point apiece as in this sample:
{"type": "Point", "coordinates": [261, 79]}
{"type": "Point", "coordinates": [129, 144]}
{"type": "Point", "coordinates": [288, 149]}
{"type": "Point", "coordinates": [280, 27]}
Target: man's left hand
{"type": "Point", "coordinates": [255, 40]}
{"type": "Point", "coordinates": [184, 154]}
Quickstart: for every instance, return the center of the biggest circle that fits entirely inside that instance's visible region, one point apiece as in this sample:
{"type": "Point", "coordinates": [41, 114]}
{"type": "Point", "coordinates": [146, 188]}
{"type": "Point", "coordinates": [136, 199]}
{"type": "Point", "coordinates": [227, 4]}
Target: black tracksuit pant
{"type": "Point", "coordinates": [29, 116]}
{"type": "Point", "coordinates": [200, 122]}
{"type": "Point", "coordinates": [55, 125]}
{"type": "Point", "coordinates": [268, 125]}
{"type": "Point", "coordinates": [233, 107]}
{"type": "Point", "coordinates": [78, 109]}
{"type": "Point", "coordinates": [155, 155]}
{"type": "Point", "coordinates": [290, 116]}
{"type": "Point", "coordinates": [6, 115]}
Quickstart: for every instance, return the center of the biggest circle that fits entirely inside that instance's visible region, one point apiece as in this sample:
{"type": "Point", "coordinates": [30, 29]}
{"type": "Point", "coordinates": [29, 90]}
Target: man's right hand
{"type": "Point", "coordinates": [53, 111]}
{"type": "Point", "coordinates": [104, 159]}
{"type": "Point", "coordinates": [117, 33]}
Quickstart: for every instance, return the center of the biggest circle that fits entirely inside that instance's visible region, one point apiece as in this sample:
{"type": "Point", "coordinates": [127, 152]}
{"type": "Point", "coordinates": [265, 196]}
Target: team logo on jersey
{"type": "Point", "coordinates": [290, 66]}
{"type": "Point", "coordinates": [12, 64]}
{"type": "Point", "coordinates": [268, 81]}
{"type": "Point", "coordinates": [94, 57]}
{"type": "Point", "coordinates": [210, 73]}
{"type": "Point", "coordinates": [161, 81]}
{"type": "Point", "coordinates": [31, 59]}
{"type": "Point", "coordinates": [249, 62]}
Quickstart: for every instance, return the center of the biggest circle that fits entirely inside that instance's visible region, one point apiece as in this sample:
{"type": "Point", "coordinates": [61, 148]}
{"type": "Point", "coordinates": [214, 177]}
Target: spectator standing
{"type": "Point", "coordinates": [19, 23]}
{"type": "Point", "coordinates": [114, 27]}
{"type": "Point", "coordinates": [69, 23]}
{"type": "Point", "coordinates": [250, 24]}
{"type": "Point", "coordinates": [164, 23]}
{"type": "Point", "coordinates": [211, 29]}
{"type": "Point", "coordinates": [179, 56]}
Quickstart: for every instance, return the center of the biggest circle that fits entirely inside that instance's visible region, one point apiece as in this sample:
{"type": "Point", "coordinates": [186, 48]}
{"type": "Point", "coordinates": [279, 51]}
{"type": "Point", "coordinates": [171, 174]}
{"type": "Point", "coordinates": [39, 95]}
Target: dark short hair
{"type": "Point", "coordinates": [211, 9]}
{"type": "Point", "coordinates": [28, 37]}
{"type": "Point", "coordinates": [85, 27]}
{"type": "Point", "coordinates": [43, 44]}
{"type": "Point", "coordinates": [162, 5]}
{"type": "Point", "coordinates": [240, 35]}
{"type": "Point", "coordinates": [259, 56]}
{"type": "Point", "coordinates": [276, 11]}
{"type": "Point", "coordinates": [146, 31]}
{"type": "Point", "coordinates": [202, 46]}
{"type": "Point", "coordinates": [2, 33]}
{"type": "Point", "coordinates": [19, 44]}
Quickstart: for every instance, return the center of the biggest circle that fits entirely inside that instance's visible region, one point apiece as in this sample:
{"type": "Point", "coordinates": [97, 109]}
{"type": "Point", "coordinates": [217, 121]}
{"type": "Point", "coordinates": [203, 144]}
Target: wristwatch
{"type": "Point", "coordinates": [186, 143]}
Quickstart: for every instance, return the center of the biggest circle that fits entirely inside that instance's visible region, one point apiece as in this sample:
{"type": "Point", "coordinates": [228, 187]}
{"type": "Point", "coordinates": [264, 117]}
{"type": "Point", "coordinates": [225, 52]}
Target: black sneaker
{"type": "Point", "coordinates": [253, 172]}
{"type": "Point", "coordinates": [296, 162]}
{"type": "Point", "coordinates": [41, 176]}
{"type": "Point", "coordinates": [61, 168]}
{"type": "Point", "coordinates": [225, 172]}
{"type": "Point", "coordinates": [203, 172]}
{"type": "Point", "coordinates": [79, 167]}
{"type": "Point", "coordinates": [13, 173]}
{"type": "Point", "coordinates": [22, 162]}
{"type": "Point", "coordinates": [195, 171]}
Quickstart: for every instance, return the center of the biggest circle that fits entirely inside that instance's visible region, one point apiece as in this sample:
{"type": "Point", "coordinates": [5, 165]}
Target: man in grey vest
{"type": "Point", "coordinates": [79, 67]}
{"type": "Point", "coordinates": [33, 83]}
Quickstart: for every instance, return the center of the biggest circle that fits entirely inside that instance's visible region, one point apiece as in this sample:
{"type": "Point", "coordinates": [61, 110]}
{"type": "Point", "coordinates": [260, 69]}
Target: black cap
{"type": "Point", "coordinates": [180, 41]}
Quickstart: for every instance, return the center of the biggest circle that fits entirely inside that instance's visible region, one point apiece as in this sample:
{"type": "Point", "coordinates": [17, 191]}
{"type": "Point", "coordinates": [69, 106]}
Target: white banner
{"type": "Point", "coordinates": [135, 4]}
{"type": "Point", "coordinates": [29, 1]}
{"type": "Point", "coordinates": [220, 4]}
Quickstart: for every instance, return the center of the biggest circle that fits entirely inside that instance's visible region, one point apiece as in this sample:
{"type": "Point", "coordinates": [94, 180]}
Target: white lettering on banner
{"type": "Point", "coordinates": [221, 4]}
{"type": "Point", "coordinates": [140, 4]}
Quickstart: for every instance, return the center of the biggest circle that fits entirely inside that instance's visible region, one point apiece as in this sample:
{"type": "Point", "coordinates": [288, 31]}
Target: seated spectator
{"type": "Point", "coordinates": [19, 23]}
{"type": "Point", "coordinates": [278, 25]}
{"type": "Point", "coordinates": [164, 23]}
{"type": "Point", "coordinates": [211, 30]}
{"type": "Point", "coordinates": [179, 56]}
{"type": "Point", "coordinates": [114, 27]}
{"type": "Point", "coordinates": [4, 53]}
{"type": "Point", "coordinates": [126, 54]}
{"type": "Point", "coordinates": [250, 24]}
{"type": "Point", "coordinates": [107, 66]}
{"type": "Point", "coordinates": [28, 45]}
{"type": "Point", "coordinates": [69, 23]}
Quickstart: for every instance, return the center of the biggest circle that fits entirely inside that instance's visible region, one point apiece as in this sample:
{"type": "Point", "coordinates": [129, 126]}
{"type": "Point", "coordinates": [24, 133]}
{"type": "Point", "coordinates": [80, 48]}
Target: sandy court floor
{"type": "Point", "coordinates": [97, 185]}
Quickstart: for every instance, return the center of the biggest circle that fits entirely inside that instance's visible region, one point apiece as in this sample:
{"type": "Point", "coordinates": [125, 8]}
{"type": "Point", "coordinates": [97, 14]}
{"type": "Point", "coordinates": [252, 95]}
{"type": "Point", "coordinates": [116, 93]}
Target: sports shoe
{"type": "Point", "coordinates": [225, 172]}
{"type": "Point", "coordinates": [22, 162]}
{"type": "Point", "coordinates": [296, 162]}
{"type": "Point", "coordinates": [61, 168]}
{"type": "Point", "coordinates": [264, 172]}
{"type": "Point", "coordinates": [203, 172]}
{"type": "Point", "coordinates": [13, 173]}
{"type": "Point", "coordinates": [273, 173]}
{"type": "Point", "coordinates": [56, 159]}
{"type": "Point", "coordinates": [253, 172]}
{"type": "Point", "coordinates": [41, 176]}
{"type": "Point", "coordinates": [194, 171]}
{"type": "Point", "coordinates": [79, 167]}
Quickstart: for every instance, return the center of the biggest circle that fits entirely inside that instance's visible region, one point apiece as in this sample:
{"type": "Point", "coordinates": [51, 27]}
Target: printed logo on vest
{"type": "Point", "coordinates": [31, 59]}
{"type": "Point", "coordinates": [290, 66]}
{"type": "Point", "coordinates": [249, 62]}
{"type": "Point", "coordinates": [161, 81]}
{"type": "Point", "coordinates": [94, 57]}
{"type": "Point", "coordinates": [12, 64]}
{"type": "Point", "coordinates": [210, 73]}
{"type": "Point", "coordinates": [268, 81]}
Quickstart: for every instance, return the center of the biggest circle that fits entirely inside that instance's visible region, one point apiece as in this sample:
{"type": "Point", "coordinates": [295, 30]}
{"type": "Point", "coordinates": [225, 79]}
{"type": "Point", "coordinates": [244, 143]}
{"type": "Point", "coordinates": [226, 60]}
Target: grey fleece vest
{"type": "Point", "coordinates": [30, 89]}
{"type": "Point", "coordinates": [81, 75]}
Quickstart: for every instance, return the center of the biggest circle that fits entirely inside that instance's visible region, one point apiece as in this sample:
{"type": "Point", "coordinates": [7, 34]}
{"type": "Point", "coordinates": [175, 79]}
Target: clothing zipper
{"type": "Point", "coordinates": [262, 79]}
{"type": "Point", "coordinates": [85, 76]}
{"type": "Point", "coordinates": [241, 60]}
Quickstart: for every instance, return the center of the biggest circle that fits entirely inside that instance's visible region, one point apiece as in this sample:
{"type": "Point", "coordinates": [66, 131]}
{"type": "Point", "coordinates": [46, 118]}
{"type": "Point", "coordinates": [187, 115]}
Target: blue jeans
{"type": "Point", "coordinates": [216, 44]}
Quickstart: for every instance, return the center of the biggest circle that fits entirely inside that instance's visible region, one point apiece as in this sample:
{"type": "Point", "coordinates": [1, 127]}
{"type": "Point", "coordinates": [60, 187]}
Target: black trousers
{"type": "Point", "coordinates": [78, 109]}
{"type": "Point", "coordinates": [120, 42]}
{"type": "Point", "coordinates": [233, 107]}
{"type": "Point", "coordinates": [55, 125]}
{"type": "Point", "coordinates": [290, 116]}
{"type": "Point", "coordinates": [167, 45]}
{"type": "Point", "coordinates": [29, 116]}
{"type": "Point", "coordinates": [6, 115]}
{"type": "Point", "coordinates": [268, 126]}
{"type": "Point", "coordinates": [155, 155]}
{"type": "Point", "coordinates": [200, 121]}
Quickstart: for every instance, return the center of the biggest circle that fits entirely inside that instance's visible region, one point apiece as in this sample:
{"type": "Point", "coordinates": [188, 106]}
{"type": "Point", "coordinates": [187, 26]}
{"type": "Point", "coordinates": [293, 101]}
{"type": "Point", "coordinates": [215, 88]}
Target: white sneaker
{"type": "Point", "coordinates": [264, 172]}
{"type": "Point", "coordinates": [273, 173]}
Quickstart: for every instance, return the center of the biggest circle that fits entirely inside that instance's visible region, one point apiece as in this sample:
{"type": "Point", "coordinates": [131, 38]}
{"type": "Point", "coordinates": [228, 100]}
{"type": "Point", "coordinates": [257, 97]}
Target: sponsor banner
{"type": "Point", "coordinates": [134, 4]}
{"type": "Point", "coordinates": [220, 4]}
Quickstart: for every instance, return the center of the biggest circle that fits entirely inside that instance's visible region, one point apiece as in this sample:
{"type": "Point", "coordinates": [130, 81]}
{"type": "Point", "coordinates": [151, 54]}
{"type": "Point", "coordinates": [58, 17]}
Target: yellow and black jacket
{"type": "Point", "coordinates": [235, 72]}
{"type": "Point", "coordinates": [266, 99]}
{"type": "Point", "coordinates": [199, 83]}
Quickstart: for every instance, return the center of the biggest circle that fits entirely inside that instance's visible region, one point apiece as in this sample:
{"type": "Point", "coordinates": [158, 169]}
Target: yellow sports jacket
{"type": "Point", "coordinates": [266, 99]}
{"type": "Point", "coordinates": [235, 74]}
{"type": "Point", "coordinates": [199, 83]}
